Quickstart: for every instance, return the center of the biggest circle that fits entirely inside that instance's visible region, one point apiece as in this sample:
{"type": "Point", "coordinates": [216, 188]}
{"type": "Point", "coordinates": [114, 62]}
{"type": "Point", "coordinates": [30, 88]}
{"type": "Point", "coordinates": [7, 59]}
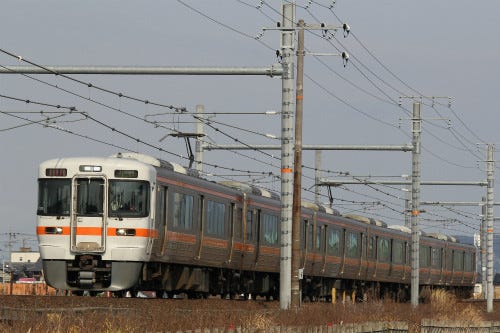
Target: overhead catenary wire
{"type": "Point", "coordinates": [89, 84]}
{"type": "Point", "coordinates": [106, 106]}
{"type": "Point", "coordinates": [122, 133]}
{"type": "Point", "coordinates": [394, 102]}
{"type": "Point", "coordinates": [399, 91]}
{"type": "Point", "coordinates": [138, 118]}
{"type": "Point", "coordinates": [419, 93]}
{"type": "Point", "coordinates": [46, 121]}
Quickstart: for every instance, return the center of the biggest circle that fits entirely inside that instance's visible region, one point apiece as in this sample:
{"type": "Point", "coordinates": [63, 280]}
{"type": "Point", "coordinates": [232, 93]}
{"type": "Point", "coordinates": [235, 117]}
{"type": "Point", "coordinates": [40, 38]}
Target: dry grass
{"type": "Point", "coordinates": [44, 314]}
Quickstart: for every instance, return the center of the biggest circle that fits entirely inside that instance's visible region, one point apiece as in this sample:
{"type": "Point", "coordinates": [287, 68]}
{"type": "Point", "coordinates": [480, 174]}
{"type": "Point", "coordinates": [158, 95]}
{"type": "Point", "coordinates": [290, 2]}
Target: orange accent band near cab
{"type": "Point", "coordinates": [96, 231]}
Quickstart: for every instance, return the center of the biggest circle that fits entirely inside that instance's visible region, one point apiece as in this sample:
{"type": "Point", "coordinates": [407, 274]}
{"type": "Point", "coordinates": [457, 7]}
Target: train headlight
{"type": "Point", "coordinates": [125, 232]}
{"type": "Point", "coordinates": [53, 230]}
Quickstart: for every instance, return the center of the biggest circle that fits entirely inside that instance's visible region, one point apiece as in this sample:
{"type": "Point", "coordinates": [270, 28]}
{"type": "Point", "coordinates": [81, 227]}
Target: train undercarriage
{"type": "Point", "coordinates": [171, 280]}
{"type": "Point", "coordinates": [88, 272]}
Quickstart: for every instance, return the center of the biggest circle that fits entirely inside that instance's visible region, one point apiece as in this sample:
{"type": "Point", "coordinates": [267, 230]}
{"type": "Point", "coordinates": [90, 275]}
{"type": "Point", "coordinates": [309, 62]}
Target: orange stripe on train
{"type": "Point", "coordinates": [95, 231]}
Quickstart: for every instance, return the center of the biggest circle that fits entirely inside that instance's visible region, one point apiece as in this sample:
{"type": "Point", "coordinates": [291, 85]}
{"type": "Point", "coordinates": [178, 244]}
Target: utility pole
{"type": "Point", "coordinates": [297, 175]}
{"type": "Point", "coordinates": [489, 227]}
{"type": "Point", "coordinates": [415, 198]}
{"type": "Point", "coordinates": [287, 108]}
{"type": "Point", "coordinates": [287, 29]}
{"type": "Point", "coordinates": [407, 207]}
{"type": "Point", "coordinates": [483, 249]}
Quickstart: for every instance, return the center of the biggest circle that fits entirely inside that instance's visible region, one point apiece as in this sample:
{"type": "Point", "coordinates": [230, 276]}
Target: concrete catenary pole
{"type": "Point", "coordinates": [199, 144]}
{"type": "Point", "coordinates": [482, 247]}
{"type": "Point", "coordinates": [407, 208]}
{"type": "Point", "coordinates": [297, 174]}
{"type": "Point", "coordinates": [287, 108]}
{"type": "Point", "coordinates": [489, 227]}
{"type": "Point", "coordinates": [415, 198]}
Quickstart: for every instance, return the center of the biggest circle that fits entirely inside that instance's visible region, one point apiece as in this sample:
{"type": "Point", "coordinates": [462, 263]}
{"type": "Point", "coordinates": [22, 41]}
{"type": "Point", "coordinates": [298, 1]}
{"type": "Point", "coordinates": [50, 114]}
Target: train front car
{"type": "Point", "coordinates": [94, 223]}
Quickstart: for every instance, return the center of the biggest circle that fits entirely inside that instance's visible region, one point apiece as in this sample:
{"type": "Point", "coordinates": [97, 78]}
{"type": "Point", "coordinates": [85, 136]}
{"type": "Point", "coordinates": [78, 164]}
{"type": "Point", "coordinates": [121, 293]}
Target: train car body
{"type": "Point", "coordinates": [132, 222]}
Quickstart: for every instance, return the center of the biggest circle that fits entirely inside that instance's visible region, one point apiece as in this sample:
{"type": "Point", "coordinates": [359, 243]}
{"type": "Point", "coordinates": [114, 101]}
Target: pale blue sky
{"type": "Point", "coordinates": [445, 48]}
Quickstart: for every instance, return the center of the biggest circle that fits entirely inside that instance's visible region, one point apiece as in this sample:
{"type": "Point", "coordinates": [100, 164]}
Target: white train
{"type": "Point", "coordinates": [132, 222]}
{"type": "Point", "coordinates": [95, 221]}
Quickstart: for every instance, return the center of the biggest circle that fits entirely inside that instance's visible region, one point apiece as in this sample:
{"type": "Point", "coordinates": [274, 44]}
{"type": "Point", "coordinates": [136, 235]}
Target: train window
{"type": "Point", "coordinates": [384, 250]}
{"type": "Point", "coordinates": [237, 221]}
{"type": "Point", "coordinates": [310, 234]}
{"type": "Point", "coordinates": [372, 248]}
{"type": "Point", "coordinates": [352, 244]}
{"type": "Point", "coordinates": [90, 196]}
{"type": "Point", "coordinates": [436, 257]}
{"type": "Point", "coordinates": [303, 234]}
{"type": "Point", "coordinates": [425, 256]}
{"type": "Point", "coordinates": [407, 250]}
{"type": "Point", "coordinates": [469, 262]}
{"type": "Point", "coordinates": [182, 210]}
{"type": "Point", "coordinates": [458, 257]}
{"type": "Point", "coordinates": [333, 241]}
{"type": "Point", "coordinates": [363, 246]}
{"type": "Point", "coordinates": [161, 207]}
{"type": "Point", "coordinates": [397, 251]}
{"type": "Point", "coordinates": [215, 214]}
{"type": "Point", "coordinates": [319, 232]}
{"type": "Point", "coordinates": [270, 228]}
{"type": "Point", "coordinates": [54, 197]}
{"type": "Point", "coordinates": [128, 198]}
{"type": "Point", "coordinates": [249, 227]}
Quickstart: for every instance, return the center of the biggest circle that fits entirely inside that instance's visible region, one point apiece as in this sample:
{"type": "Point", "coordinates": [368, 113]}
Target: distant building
{"type": "Point", "coordinates": [24, 256]}
{"type": "Point", "coordinates": [25, 264]}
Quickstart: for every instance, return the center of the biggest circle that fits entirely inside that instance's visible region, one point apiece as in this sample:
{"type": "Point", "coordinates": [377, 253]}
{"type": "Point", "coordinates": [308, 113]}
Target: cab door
{"type": "Point", "coordinates": [89, 211]}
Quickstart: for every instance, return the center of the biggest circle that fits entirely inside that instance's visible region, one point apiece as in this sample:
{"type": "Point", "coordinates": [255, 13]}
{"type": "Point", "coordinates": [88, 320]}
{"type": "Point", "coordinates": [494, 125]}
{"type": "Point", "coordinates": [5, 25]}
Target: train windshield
{"type": "Point", "coordinates": [90, 196]}
{"type": "Point", "coordinates": [54, 197]}
{"type": "Point", "coordinates": [128, 198]}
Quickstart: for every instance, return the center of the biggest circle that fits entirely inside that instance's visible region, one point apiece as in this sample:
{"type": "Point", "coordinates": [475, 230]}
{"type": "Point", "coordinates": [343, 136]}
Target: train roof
{"type": "Point", "coordinates": [152, 161]}
{"type": "Point", "coordinates": [93, 164]}
{"type": "Point", "coordinates": [251, 189]}
{"type": "Point", "coordinates": [367, 220]}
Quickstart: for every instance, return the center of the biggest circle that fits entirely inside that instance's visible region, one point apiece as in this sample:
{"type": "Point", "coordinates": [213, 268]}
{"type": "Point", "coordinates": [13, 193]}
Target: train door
{"type": "Point", "coordinates": [323, 248]}
{"type": "Point", "coordinates": [309, 247]}
{"type": "Point", "coordinates": [160, 221]}
{"type": "Point", "coordinates": [201, 225]}
{"type": "Point", "coordinates": [303, 242]}
{"type": "Point", "coordinates": [362, 263]}
{"type": "Point", "coordinates": [234, 229]}
{"type": "Point", "coordinates": [250, 241]}
{"type": "Point", "coordinates": [258, 234]}
{"type": "Point", "coordinates": [88, 217]}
